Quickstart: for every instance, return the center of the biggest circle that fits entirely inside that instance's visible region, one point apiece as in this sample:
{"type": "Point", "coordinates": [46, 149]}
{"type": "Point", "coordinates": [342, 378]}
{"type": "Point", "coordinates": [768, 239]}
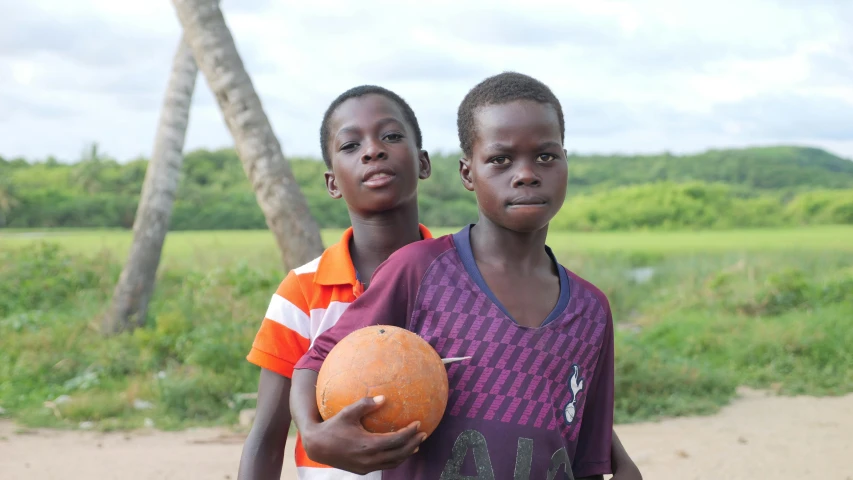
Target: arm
{"type": "Point", "coordinates": [263, 452]}
{"type": "Point", "coordinates": [280, 342]}
{"type": "Point", "coordinates": [623, 467]}
{"type": "Point", "coordinates": [342, 442]}
{"type": "Point", "coordinates": [593, 457]}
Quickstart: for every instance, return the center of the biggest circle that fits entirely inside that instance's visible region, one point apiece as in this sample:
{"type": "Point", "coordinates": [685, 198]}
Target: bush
{"type": "Point", "coordinates": [43, 277]}
{"type": "Point", "coordinates": [650, 384]}
{"type": "Point", "coordinates": [668, 206]}
{"type": "Point", "coordinates": [822, 206]}
{"type": "Point", "coordinates": [791, 289]}
{"type": "Point", "coordinates": [196, 395]}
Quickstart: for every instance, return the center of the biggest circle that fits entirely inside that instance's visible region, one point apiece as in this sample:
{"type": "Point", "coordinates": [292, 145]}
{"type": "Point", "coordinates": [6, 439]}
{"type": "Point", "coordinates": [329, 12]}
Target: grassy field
{"type": "Point", "coordinates": [224, 247]}
{"type": "Point", "coordinates": [697, 315]}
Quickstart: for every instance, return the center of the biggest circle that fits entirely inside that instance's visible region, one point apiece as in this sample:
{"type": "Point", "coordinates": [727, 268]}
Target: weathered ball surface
{"type": "Point", "coordinates": [390, 361]}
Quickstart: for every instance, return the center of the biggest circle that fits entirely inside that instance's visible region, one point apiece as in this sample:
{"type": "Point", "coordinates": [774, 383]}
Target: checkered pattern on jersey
{"type": "Point", "coordinates": [518, 375]}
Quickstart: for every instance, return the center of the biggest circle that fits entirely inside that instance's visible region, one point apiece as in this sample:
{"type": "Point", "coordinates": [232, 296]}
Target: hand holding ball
{"type": "Point", "coordinates": [390, 361]}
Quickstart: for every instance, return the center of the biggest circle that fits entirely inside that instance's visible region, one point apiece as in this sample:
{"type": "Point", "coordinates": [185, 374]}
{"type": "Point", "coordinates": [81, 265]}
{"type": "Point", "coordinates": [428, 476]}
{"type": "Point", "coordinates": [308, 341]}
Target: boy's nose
{"type": "Point", "coordinates": [374, 150]}
{"type": "Point", "coordinates": [525, 176]}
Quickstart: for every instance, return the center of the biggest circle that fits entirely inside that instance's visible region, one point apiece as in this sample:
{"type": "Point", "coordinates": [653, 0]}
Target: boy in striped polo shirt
{"type": "Point", "coordinates": [372, 146]}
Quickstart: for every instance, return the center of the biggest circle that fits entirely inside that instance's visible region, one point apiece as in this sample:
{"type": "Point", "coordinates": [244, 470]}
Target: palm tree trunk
{"type": "Point", "coordinates": [136, 283]}
{"type": "Point", "coordinates": [276, 190]}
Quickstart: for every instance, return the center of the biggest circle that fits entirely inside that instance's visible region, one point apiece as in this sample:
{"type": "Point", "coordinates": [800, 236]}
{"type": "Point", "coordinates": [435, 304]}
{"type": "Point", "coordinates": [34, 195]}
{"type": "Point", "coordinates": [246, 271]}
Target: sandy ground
{"type": "Point", "coordinates": [757, 437]}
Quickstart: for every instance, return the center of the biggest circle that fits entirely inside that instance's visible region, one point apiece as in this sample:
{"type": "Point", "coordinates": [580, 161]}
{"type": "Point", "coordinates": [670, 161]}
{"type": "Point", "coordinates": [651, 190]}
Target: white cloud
{"type": "Point", "coordinates": [634, 76]}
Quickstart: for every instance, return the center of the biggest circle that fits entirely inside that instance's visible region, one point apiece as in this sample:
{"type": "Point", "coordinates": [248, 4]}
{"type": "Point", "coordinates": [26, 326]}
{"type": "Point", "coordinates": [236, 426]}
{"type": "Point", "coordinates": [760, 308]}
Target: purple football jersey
{"type": "Point", "coordinates": [532, 402]}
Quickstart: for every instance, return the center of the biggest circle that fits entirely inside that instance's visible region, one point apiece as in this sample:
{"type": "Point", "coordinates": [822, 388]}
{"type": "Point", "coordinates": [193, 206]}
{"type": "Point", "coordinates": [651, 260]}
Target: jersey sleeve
{"type": "Point", "coordinates": [283, 337]}
{"type": "Point", "coordinates": [389, 300]}
{"type": "Point", "coordinates": [596, 434]}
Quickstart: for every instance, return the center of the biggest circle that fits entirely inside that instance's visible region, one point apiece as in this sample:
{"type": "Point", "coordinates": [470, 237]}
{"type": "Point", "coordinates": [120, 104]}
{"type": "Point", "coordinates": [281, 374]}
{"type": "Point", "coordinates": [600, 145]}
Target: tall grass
{"type": "Point", "coordinates": [692, 324]}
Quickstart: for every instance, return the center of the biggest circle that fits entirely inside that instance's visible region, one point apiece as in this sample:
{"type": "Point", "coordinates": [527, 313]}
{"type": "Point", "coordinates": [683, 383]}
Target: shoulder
{"type": "Point", "coordinates": [298, 282]}
{"type": "Point", "coordinates": [417, 256]}
{"type": "Point", "coordinates": [309, 268]}
{"type": "Point", "coordinates": [586, 291]}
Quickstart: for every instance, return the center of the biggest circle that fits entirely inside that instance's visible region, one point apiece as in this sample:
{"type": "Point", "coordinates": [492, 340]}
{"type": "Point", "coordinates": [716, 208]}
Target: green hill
{"type": "Point", "coordinates": [98, 191]}
{"type": "Point", "coordinates": [770, 168]}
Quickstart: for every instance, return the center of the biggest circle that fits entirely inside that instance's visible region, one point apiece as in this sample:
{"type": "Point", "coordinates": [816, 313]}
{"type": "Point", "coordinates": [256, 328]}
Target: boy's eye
{"type": "Point", "coordinates": [348, 146]}
{"type": "Point", "coordinates": [500, 160]}
{"type": "Point", "coordinates": [393, 137]}
{"type": "Point", "coordinates": [546, 157]}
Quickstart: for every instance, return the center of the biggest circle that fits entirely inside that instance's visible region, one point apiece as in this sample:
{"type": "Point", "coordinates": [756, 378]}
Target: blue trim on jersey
{"type": "Point", "coordinates": [462, 241]}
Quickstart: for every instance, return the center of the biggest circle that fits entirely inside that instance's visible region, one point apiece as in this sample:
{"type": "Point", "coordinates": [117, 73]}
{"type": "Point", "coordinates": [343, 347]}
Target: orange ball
{"type": "Point", "coordinates": [390, 361]}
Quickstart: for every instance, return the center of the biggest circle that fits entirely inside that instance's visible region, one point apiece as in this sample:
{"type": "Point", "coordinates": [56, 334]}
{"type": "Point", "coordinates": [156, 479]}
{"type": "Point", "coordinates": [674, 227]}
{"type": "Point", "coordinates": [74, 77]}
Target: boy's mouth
{"type": "Point", "coordinates": [378, 178]}
{"type": "Point", "coordinates": [528, 201]}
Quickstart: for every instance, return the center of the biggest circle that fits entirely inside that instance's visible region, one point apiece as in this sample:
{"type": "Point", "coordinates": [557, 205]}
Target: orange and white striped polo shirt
{"type": "Point", "coordinates": [308, 302]}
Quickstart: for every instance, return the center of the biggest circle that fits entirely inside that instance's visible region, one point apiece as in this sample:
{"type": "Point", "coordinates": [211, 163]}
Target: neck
{"type": "Point", "coordinates": [377, 236]}
{"type": "Point", "coordinates": [521, 252]}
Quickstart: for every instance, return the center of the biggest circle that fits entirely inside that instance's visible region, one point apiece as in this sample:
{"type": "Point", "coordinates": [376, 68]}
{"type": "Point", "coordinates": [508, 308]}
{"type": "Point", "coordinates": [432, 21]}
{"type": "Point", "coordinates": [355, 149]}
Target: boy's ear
{"type": "Point", "coordinates": [425, 165]}
{"type": "Point", "coordinates": [465, 173]}
{"type": "Point", "coordinates": [332, 185]}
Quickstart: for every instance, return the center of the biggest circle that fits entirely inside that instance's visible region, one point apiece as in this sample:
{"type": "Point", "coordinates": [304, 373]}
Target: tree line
{"type": "Point", "coordinates": [751, 187]}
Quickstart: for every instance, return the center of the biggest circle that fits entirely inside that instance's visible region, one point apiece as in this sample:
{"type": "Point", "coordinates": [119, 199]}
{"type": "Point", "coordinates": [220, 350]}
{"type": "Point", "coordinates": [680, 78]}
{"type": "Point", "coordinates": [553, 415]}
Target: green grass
{"type": "Point", "coordinates": [769, 309]}
{"type": "Point", "coordinates": [258, 246]}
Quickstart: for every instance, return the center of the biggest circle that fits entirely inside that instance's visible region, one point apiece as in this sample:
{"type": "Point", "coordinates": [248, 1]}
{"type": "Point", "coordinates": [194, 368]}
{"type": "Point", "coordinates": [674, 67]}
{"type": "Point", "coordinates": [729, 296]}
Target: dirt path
{"type": "Point", "coordinates": [757, 437]}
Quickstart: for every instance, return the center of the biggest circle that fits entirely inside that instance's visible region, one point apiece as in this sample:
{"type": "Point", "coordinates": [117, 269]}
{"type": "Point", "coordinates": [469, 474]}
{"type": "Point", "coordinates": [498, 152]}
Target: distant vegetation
{"type": "Point", "coordinates": [753, 187]}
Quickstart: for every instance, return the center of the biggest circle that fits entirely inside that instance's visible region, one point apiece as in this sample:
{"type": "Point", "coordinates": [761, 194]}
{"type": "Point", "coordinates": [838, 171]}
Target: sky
{"type": "Point", "coordinates": [637, 76]}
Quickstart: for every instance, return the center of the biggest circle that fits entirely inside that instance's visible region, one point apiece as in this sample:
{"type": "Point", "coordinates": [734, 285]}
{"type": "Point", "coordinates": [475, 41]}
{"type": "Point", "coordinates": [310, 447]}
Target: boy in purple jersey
{"type": "Point", "coordinates": [536, 398]}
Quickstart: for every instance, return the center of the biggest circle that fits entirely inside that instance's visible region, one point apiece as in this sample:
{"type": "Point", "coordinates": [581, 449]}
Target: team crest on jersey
{"type": "Point", "coordinates": [576, 385]}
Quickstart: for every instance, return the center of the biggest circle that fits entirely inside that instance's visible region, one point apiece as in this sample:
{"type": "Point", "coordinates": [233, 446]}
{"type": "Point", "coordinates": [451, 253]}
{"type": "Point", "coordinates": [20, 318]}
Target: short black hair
{"type": "Point", "coordinates": [361, 91]}
{"type": "Point", "coordinates": [499, 89]}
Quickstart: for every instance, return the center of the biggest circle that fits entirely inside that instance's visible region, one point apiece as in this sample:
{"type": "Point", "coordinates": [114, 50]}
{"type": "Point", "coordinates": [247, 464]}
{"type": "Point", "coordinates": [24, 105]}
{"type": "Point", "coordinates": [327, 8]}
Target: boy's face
{"type": "Point", "coordinates": [518, 166]}
{"type": "Point", "coordinates": [375, 161]}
